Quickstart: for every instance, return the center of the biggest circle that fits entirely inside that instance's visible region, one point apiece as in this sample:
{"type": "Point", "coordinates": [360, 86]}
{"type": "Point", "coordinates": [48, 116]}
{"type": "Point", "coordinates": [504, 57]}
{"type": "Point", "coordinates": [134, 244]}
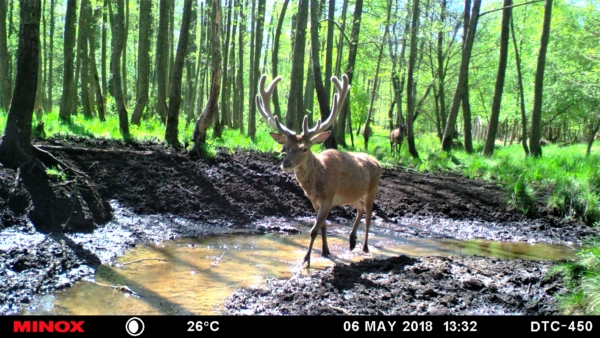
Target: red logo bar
{"type": "Point", "coordinates": [61, 326]}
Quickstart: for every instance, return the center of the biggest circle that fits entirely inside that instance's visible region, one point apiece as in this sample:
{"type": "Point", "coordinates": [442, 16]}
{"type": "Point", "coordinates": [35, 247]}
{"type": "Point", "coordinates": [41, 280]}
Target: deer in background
{"type": "Point", "coordinates": [396, 138]}
{"type": "Point", "coordinates": [330, 178]}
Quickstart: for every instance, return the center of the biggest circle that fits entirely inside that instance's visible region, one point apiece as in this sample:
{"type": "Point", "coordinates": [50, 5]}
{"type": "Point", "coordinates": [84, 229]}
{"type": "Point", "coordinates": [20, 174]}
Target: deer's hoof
{"type": "Point", "coordinates": [326, 253]}
{"type": "Point", "coordinates": [352, 242]}
{"type": "Point", "coordinates": [365, 248]}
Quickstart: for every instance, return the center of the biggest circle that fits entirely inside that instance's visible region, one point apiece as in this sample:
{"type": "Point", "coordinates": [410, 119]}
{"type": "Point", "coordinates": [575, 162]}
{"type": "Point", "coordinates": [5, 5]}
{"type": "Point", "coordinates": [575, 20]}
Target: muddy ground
{"type": "Point", "coordinates": [228, 193]}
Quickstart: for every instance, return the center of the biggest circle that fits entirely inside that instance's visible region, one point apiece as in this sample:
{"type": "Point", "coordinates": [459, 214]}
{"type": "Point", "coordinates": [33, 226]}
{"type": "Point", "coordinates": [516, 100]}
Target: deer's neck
{"type": "Point", "coordinates": [308, 174]}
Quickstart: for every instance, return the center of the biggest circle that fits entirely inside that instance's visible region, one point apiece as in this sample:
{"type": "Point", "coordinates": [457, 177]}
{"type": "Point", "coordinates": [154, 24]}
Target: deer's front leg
{"type": "Point", "coordinates": [321, 219]}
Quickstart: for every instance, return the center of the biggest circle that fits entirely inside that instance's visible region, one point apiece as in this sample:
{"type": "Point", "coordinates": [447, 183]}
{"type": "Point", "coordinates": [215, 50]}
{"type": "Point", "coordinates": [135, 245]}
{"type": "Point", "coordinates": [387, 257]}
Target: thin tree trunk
{"type": "Point", "coordinates": [5, 91]}
{"type": "Point", "coordinates": [225, 107]}
{"type": "Point", "coordinates": [462, 77]}
{"type": "Point", "coordinates": [275, 57]}
{"type": "Point", "coordinates": [103, 51]}
{"type": "Point", "coordinates": [51, 58]}
{"type": "Point", "coordinates": [66, 103]}
{"type": "Point", "coordinates": [488, 149]}
{"type": "Point", "coordinates": [536, 115]}
{"type": "Point", "coordinates": [143, 83]}
{"type": "Point", "coordinates": [239, 79]}
{"type": "Point", "coordinates": [94, 70]}
{"type": "Point", "coordinates": [322, 95]}
{"type": "Point", "coordinates": [295, 100]}
{"type": "Point", "coordinates": [86, 104]}
{"type": "Point", "coordinates": [172, 132]}
{"type": "Point", "coordinates": [260, 19]}
{"type": "Point", "coordinates": [410, 99]}
{"type": "Point", "coordinates": [162, 59]}
{"type": "Point", "coordinates": [340, 136]}
{"type": "Point", "coordinates": [191, 73]}
{"type": "Point", "coordinates": [203, 121]}
{"type": "Point", "coordinates": [117, 23]}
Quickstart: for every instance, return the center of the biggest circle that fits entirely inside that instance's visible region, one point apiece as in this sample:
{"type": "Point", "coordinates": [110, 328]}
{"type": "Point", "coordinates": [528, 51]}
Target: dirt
{"type": "Point", "coordinates": [231, 191]}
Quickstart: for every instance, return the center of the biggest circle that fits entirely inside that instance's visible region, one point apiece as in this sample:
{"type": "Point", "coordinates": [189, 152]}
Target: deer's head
{"type": "Point", "coordinates": [298, 146]}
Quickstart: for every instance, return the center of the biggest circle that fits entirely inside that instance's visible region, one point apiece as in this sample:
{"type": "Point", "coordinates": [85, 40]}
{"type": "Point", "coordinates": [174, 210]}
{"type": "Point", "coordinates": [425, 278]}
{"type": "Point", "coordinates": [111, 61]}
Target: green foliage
{"type": "Point", "coordinates": [56, 172]}
{"type": "Point", "coordinates": [522, 196]}
{"type": "Point", "coordinates": [582, 278]}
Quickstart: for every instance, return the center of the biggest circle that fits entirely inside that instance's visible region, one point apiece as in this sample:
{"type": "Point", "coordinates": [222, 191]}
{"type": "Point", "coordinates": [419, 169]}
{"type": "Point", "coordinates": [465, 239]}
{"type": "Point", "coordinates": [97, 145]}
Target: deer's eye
{"type": "Point", "coordinates": [304, 150]}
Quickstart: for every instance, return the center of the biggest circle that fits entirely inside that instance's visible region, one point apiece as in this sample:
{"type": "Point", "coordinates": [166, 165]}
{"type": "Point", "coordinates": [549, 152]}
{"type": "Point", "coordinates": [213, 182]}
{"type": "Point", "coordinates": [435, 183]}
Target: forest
{"type": "Point", "coordinates": [502, 92]}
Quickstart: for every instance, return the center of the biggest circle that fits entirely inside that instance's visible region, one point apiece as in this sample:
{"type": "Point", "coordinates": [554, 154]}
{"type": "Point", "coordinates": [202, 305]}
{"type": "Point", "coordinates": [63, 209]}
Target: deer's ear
{"type": "Point", "coordinates": [320, 138]}
{"type": "Point", "coordinates": [278, 138]}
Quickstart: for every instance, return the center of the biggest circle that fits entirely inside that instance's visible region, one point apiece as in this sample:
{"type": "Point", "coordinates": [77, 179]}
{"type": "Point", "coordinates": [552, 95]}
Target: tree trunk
{"type": "Point", "coordinates": [462, 77]}
{"type": "Point", "coordinates": [103, 51]}
{"type": "Point", "coordinates": [536, 115]}
{"type": "Point", "coordinates": [84, 22]}
{"type": "Point", "coordinates": [275, 57]}
{"type": "Point", "coordinates": [5, 92]}
{"type": "Point", "coordinates": [592, 136]}
{"type": "Point", "coordinates": [322, 94]}
{"type": "Point", "coordinates": [341, 128]}
{"type": "Point", "coordinates": [239, 79]}
{"type": "Point", "coordinates": [191, 72]}
{"type": "Point", "coordinates": [205, 118]}
{"type": "Point", "coordinates": [162, 59]}
{"type": "Point", "coordinates": [117, 22]}
{"type": "Point", "coordinates": [172, 132]}
{"type": "Point", "coordinates": [143, 83]}
{"type": "Point", "coordinates": [294, 116]}
{"type": "Point", "coordinates": [410, 99]}
{"type": "Point", "coordinates": [66, 104]}
{"type": "Point", "coordinates": [94, 70]}
{"type": "Point", "coordinates": [225, 102]}
{"type": "Point", "coordinates": [260, 19]}
{"type": "Point", "coordinates": [15, 148]}
{"type": "Point", "coordinates": [488, 149]}
{"type": "Point", "coordinates": [124, 54]}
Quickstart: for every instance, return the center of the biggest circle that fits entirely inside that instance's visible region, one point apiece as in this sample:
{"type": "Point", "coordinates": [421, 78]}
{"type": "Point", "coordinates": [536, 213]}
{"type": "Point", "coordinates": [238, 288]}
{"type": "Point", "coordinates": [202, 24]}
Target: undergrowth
{"type": "Point", "coordinates": [582, 278]}
{"type": "Point", "coordinates": [564, 179]}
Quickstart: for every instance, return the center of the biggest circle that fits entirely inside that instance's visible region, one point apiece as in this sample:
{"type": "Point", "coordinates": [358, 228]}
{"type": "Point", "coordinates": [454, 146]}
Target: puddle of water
{"type": "Point", "coordinates": [196, 275]}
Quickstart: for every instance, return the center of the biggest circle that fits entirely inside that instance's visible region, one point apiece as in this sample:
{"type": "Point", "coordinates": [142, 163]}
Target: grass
{"type": "Point", "coordinates": [582, 278]}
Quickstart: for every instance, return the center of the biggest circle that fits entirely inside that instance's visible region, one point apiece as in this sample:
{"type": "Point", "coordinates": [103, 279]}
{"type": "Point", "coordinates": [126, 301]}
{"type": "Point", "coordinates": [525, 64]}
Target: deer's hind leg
{"type": "Point", "coordinates": [369, 199]}
{"type": "Point", "coordinates": [360, 209]}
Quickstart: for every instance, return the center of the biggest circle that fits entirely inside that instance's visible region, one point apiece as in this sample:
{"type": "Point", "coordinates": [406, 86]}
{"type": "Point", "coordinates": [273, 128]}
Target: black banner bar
{"type": "Point", "coordinates": [221, 326]}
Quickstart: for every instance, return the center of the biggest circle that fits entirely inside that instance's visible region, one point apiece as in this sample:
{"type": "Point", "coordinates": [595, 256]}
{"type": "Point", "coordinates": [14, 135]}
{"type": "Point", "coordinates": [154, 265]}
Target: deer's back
{"type": "Point", "coordinates": [351, 175]}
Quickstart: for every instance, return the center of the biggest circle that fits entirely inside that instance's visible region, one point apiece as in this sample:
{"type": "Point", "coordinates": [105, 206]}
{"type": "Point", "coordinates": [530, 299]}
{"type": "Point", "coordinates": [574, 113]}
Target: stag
{"type": "Point", "coordinates": [396, 138]}
{"type": "Point", "coordinates": [330, 178]}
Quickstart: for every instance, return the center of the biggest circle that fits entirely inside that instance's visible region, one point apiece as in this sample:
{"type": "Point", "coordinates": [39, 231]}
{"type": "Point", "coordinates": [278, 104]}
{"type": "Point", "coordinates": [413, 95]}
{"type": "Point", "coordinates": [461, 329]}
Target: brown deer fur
{"type": "Point", "coordinates": [330, 178]}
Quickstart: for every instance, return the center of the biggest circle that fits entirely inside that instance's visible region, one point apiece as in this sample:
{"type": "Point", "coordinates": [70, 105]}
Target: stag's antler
{"type": "Point", "coordinates": [342, 90]}
{"type": "Point", "coordinates": [263, 104]}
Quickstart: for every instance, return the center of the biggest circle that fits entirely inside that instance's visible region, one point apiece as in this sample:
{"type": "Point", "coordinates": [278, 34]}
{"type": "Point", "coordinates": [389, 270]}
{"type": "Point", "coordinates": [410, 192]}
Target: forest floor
{"type": "Point", "coordinates": [230, 191]}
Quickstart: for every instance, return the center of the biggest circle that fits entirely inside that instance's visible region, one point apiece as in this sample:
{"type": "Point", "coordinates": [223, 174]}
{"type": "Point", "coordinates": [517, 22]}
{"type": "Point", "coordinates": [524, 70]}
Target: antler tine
{"type": "Point", "coordinates": [263, 104]}
{"type": "Point", "coordinates": [342, 90]}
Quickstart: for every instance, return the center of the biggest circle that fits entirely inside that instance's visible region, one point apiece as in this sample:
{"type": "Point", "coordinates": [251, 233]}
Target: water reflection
{"type": "Point", "coordinates": [196, 275]}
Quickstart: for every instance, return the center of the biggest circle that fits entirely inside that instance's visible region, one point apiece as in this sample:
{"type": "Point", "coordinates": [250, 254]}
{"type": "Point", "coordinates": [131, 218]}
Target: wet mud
{"type": "Point", "coordinates": [229, 193]}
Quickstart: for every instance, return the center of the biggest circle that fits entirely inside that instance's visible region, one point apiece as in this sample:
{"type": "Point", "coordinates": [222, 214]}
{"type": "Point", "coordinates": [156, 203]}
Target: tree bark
{"type": "Point", "coordinates": [260, 19]}
{"type": "Point", "coordinates": [275, 57]}
{"type": "Point", "coordinates": [239, 79]}
{"type": "Point", "coordinates": [162, 58]}
{"type": "Point", "coordinates": [117, 22]}
{"type": "Point", "coordinates": [462, 77]}
{"type": "Point", "coordinates": [322, 95]}
{"type": "Point", "coordinates": [67, 101]}
{"type": "Point", "coordinates": [225, 105]}
{"type": "Point", "coordinates": [143, 83]}
{"type": "Point", "coordinates": [203, 121]}
{"type": "Point", "coordinates": [536, 115]}
{"type": "Point", "coordinates": [410, 99]}
{"type": "Point", "coordinates": [294, 116]}
{"type": "Point", "coordinates": [15, 148]}
{"type": "Point", "coordinates": [94, 70]}
{"type": "Point", "coordinates": [172, 132]}
{"type": "Point", "coordinates": [488, 149]}
{"type": "Point", "coordinates": [341, 128]}
{"type": "Point", "coordinates": [5, 92]}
